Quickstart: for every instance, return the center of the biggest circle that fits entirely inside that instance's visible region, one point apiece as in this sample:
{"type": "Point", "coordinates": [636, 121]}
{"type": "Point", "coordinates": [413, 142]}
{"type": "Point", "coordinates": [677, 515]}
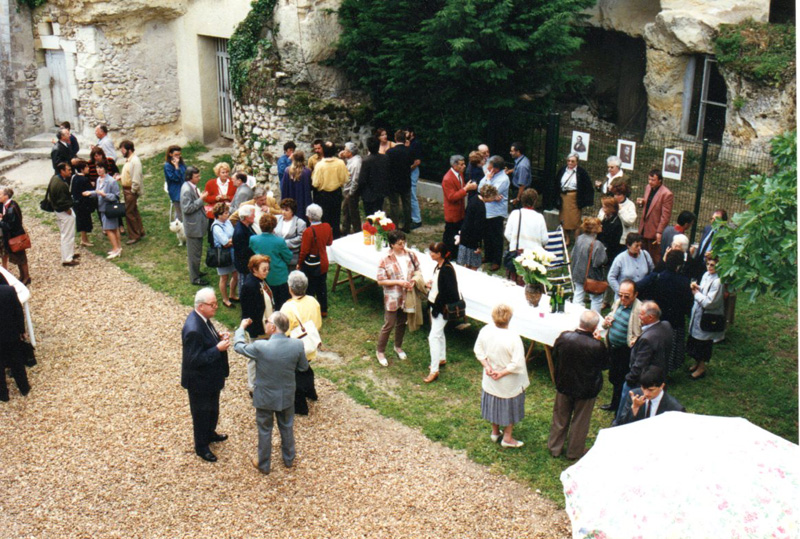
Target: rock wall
{"type": "Point", "coordinates": [21, 113]}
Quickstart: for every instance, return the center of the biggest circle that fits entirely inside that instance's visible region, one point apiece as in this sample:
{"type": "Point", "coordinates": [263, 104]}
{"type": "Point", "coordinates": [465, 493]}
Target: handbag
{"type": "Point", "coordinates": [456, 310]}
{"type": "Point", "coordinates": [45, 204]}
{"type": "Point", "coordinates": [312, 264]}
{"type": "Point", "coordinates": [115, 210]}
{"type": "Point", "coordinates": [712, 323]}
{"type": "Point", "coordinates": [307, 333]}
{"type": "Point", "coordinates": [28, 354]}
{"type": "Point", "coordinates": [593, 286]}
{"type": "Point", "coordinates": [19, 243]}
{"type": "Point", "coordinates": [219, 257]}
{"type": "Point", "coordinates": [509, 256]}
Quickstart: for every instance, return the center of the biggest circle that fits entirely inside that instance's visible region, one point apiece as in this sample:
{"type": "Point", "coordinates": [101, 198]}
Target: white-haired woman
{"type": "Point", "coordinates": [305, 309]}
{"type": "Point", "coordinates": [316, 238]}
{"type": "Point", "coordinates": [505, 376]}
{"type": "Point", "coordinates": [614, 176]}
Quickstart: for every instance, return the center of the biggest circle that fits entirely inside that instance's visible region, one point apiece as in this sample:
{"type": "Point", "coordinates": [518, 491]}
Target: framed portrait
{"type": "Point", "coordinates": [672, 167]}
{"type": "Point", "coordinates": [580, 144]}
{"type": "Point", "coordinates": [626, 151]}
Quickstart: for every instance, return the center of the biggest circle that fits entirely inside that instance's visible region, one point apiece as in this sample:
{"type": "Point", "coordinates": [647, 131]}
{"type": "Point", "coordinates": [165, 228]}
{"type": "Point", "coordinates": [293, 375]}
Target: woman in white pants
{"type": "Point", "coordinates": [443, 291]}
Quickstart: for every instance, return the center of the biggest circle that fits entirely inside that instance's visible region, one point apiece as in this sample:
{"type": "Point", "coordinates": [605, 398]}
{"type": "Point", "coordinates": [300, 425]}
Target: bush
{"type": "Point", "coordinates": [757, 51]}
{"type": "Point", "coordinates": [758, 252]}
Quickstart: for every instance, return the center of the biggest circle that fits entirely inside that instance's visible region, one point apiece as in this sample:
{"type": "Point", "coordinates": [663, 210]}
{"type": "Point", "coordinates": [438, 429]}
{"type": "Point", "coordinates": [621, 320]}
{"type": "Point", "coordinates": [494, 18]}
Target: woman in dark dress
{"type": "Point", "coordinates": [475, 171]}
{"type": "Point", "coordinates": [257, 304]}
{"type": "Point", "coordinates": [473, 228]}
{"type": "Point", "coordinates": [84, 205]}
{"type": "Point", "coordinates": [443, 291]}
{"type": "Point", "coordinates": [296, 183]}
{"type": "Point", "coordinates": [11, 224]}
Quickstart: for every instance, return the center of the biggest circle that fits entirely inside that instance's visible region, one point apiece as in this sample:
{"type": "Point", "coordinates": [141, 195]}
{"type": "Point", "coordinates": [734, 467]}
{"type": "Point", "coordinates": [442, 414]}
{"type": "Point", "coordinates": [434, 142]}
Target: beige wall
{"type": "Point", "coordinates": [204, 19]}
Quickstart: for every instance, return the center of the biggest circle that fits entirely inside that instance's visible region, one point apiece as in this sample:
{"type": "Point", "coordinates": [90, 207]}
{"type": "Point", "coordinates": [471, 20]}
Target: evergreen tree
{"type": "Point", "coordinates": [446, 66]}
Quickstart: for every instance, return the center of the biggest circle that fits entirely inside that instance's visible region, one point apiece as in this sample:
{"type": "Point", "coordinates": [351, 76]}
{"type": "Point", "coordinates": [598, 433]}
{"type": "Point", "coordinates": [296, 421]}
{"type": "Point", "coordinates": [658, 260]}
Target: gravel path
{"type": "Point", "coordinates": [102, 445]}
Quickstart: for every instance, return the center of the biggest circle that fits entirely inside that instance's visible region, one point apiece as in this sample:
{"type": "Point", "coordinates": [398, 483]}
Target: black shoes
{"type": "Point", "coordinates": [415, 225]}
{"type": "Point", "coordinates": [607, 407]}
{"type": "Point", "coordinates": [218, 438]}
{"type": "Point", "coordinates": [200, 282]}
{"type": "Point", "coordinates": [207, 455]}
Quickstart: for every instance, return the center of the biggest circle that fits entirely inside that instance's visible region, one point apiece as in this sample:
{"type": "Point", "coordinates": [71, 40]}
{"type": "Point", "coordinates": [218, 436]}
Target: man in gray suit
{"type": "Point", "coordinates": [276, 359]}
{"type": "Point", "coordinates": [195, 223]}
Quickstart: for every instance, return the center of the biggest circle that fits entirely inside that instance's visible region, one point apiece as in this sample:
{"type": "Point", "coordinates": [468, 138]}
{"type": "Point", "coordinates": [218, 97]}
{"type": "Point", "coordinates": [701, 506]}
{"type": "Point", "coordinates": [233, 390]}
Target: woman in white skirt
{"type": "Point", "coordinates": [505, 376]}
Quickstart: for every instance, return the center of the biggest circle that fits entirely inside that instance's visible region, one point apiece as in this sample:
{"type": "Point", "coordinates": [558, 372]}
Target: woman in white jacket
{"type": "Point", "coordinates": [708, 299]}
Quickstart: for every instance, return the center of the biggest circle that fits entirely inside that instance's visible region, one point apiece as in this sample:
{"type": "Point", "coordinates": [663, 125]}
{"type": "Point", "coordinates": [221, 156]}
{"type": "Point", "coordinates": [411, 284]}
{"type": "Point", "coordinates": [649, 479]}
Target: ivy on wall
{"type": "Point", "coordinates": [247, 40]}
{"type": "Point", "coordinates": [761, 52]}
{"type": "Point", "coordinates": [32, 4]}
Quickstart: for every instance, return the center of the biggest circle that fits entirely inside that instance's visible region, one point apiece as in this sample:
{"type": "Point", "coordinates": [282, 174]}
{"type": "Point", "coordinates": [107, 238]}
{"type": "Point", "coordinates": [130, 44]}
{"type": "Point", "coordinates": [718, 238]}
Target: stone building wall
{"type": "Point", "coordinates": [21, 112]}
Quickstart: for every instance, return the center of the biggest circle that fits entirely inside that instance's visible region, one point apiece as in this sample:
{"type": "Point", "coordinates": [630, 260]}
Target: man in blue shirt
{"type": "Point", "coordinates": [415, 149]}
{"type": "Point", "coordinates": [496, 211]}
{"type": "Point", "coordinates": [285, 160]}
{"type": "Point", "coordinates": [520, 174]}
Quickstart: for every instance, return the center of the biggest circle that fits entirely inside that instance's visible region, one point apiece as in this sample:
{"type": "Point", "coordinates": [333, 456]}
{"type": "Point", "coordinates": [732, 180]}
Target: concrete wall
{"type": "Point", "coordinates": [194, 35]}
{"type": "Point", "coordinates": [21, 112]}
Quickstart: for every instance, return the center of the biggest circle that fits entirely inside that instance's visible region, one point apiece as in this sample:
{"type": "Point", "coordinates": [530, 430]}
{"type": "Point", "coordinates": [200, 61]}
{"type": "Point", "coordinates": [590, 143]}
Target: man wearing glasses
{"type": "Point", "coordinates": [624, 327]}
{"type": "Point", "coordinates": [203, 371]}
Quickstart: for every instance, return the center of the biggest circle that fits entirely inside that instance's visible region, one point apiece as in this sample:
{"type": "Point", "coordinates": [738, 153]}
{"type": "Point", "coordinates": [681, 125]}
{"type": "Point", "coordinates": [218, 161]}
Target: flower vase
{"type": "Point", "coordinates": [534, 293]}
{"type": "Point", "coordinates": [378, 242]}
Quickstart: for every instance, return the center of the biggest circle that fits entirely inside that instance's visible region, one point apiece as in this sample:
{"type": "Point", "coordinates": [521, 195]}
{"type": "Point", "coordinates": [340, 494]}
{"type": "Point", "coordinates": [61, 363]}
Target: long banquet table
{"type": "Point", "coordinates": [481, 292]}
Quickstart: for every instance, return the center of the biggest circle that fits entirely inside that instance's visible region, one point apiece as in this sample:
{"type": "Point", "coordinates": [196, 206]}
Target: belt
{"type": "Point", "coordinates": [568, 192]}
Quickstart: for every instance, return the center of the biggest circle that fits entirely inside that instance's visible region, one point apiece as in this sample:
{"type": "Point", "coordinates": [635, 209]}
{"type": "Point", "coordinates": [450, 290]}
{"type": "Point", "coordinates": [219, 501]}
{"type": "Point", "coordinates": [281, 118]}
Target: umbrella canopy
{"type": "Point", "coordinates": [685, 475]}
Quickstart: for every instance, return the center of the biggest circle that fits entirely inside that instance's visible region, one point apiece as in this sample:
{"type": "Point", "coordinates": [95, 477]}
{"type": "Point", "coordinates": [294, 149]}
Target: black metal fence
{"type": "Point", "coordinates": [710, 175]}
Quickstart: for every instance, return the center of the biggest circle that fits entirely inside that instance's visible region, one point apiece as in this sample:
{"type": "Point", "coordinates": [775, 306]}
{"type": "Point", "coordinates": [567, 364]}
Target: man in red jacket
{"type": "Point", "coordinates": [454, 191]}
{"type": "Point", "coordinates": [657, 204]}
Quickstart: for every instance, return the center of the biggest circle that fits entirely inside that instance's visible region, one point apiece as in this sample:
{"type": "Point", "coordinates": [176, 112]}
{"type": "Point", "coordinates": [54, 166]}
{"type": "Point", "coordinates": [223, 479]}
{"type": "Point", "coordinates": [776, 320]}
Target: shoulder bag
{"type": "Point", "coordinates": [115, 210]}
{"type": "Point", "coordinates": [307, 333]}
{"type": "Point", "coordinates": [19, 243]}
{"type": "Point", "coordinates": [218, 257]}
{"type": "Point", "coordinates": [45, 204]}
{"type": "Point", "coordinates": [712, 323]}
{"type": "Point", "coordinates": [456, 310]}
{"type": "Point", "coordinates": [593, 286]}
{"type": "Point", "coordinates": [312, 262]}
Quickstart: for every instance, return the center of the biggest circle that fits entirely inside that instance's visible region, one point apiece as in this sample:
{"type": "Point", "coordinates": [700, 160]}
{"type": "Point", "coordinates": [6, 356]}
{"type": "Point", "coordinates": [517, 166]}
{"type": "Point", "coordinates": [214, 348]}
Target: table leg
{"type": "Point", "coordinates": [352, 286]}
{"type": "Point", "coordinates": [336, 278]}
{"type": "Point", "coordinates": [548, 353]}
{"type": "Point", "coordinates": [530, 351]}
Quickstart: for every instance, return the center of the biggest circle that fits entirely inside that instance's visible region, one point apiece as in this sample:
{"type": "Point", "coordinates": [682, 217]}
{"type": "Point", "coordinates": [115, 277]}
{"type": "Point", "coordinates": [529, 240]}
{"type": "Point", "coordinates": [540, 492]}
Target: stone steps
{"type": "Point", "coordinates": [44, 153]}
{"type": "Point", "coordinates": [45, 140]}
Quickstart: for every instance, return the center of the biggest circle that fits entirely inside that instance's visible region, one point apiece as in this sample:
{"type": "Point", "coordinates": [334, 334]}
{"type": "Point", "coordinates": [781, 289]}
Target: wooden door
{"type": "Point", "coordinates": [63, 104]}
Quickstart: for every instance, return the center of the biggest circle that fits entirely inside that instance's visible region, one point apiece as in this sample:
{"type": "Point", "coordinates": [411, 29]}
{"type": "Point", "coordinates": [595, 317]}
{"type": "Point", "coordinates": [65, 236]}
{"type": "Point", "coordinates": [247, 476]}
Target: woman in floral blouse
{"type": "Point", "coordinates": [394, 275]}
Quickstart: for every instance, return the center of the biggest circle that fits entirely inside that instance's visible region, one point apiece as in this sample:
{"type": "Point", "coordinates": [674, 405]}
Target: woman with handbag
{"type": "Point", "coordinates": [107, 192]}
{"type": "Point", "coordinates": [525, 229]}
{"type": "Point", "coordinates": [257, 305]}
{"type": "Point", "coordinates": [505, 376]}
{"type": "Point", "coordinates": [313, 258]}
{"type": "Point", "coordinates": [11, 225]}
{"type": "Point", "coordinates": [395, 272]}
{"type": "Point", "coordinates": [443, 291]}
{"type": "Point", "coordinates": [708, 319]}
{"type": "Point", "coordinates": [222, 231]}
{"type": "Point", "coordinates": [304, 313]}
{"type": "Point", "coordinates": [588, 258]}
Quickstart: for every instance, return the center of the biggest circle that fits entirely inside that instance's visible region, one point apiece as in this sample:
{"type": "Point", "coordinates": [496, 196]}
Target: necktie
{"type": "Point", "coordinates": [213, 331]}
{"type": "Point", "coordinates": [647, 410]}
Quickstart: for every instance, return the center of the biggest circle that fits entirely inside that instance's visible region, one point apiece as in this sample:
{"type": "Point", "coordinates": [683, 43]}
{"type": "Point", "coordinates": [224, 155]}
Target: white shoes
{"type": "Point", "coordinates": [495, 437]}
{"type": "Point", "coordinates": [516, 443]}
{"type": "Point", "coordinates": [400, 353]}
{"type": "Point", "coordinates": [114, 254]}
{"type": "Point", "coordinates": [382, 360]}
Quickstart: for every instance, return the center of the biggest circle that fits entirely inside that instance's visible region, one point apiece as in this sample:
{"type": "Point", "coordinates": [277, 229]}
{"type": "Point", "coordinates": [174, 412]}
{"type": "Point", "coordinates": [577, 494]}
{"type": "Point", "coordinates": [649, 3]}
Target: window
{"type": "Point", "coordinates": [705, 99]}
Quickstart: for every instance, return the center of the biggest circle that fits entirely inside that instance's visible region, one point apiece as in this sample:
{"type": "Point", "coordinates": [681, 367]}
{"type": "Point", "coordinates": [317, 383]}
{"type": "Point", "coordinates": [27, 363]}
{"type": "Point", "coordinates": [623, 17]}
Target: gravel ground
{"type": "Point", "coordinates": [102, 445]}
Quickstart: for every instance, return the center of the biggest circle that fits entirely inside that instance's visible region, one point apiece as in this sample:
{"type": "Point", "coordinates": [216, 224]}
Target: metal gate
{"type": "Point", "coordinates": [224, 89]}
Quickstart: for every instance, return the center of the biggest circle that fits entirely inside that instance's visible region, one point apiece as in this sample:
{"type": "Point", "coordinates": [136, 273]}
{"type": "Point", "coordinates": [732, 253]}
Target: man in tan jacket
{"type": "Point", "coordinates": [132, 181]}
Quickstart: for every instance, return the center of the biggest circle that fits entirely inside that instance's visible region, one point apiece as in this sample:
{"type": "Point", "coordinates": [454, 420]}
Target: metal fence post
{"type": "Point", "coordinates": [551, 158]}
{"type": "Point", "coordinates": [699, 194]}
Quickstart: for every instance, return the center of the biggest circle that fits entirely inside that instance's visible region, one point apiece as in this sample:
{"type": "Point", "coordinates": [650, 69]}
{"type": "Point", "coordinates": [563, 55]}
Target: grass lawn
{"type": "Point", "coordinates": [753, 373]}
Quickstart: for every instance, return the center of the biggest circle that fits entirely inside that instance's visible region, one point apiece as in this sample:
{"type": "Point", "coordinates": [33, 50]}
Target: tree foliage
{"type": "Point", "coordinates": [445, 66]}
{"type": "Point", "coordinates": [758, 252]}
{"type": "Point", "coordinates": [759, 51]}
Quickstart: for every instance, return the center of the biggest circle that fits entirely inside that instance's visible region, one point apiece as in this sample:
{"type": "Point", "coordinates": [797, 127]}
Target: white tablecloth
{"type": "Point", "coordinates": [481, 291]}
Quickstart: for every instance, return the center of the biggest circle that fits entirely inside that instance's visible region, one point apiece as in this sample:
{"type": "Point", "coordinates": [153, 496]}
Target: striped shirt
{"type": "Point", "coordinates": [618, 332]}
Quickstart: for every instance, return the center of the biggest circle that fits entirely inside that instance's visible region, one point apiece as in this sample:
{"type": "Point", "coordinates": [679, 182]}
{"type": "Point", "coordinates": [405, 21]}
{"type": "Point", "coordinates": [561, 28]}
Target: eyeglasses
{"type": "Point", "coordinates": [215, 304]}
{"type": "Point", "coordinates": [626, 295]}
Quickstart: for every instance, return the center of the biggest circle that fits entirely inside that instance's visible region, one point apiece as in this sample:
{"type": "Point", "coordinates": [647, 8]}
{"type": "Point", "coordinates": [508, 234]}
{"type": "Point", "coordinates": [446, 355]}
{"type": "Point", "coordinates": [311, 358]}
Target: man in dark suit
{"type": "Point", "coordinates": [12, 329]}
{"type": "Point", "coordinates": [62, 151]}
{"type": "Point", "coordinates": [650, 400]}
{"type": "Point", "coordinates": [241, 242]}
{"type": "Point", "coordinates": [277, 360]}
{"type": "Point", "coordinates": [400, 181]}
{"type": "Point", "coordinates": [203, 371]}
{"type": "Point", "coordinates": [373, 180]}
{"type": "Point", "coordinates": [195, 223]}
{"type": "Point", "coordinates": [657, 203]}
{"type": "Point", "coordinates": [651, 348]}
{"type": "Point", "coordinates": [697, 255]}
{"type": "Point", "coordinates": [580, 360]}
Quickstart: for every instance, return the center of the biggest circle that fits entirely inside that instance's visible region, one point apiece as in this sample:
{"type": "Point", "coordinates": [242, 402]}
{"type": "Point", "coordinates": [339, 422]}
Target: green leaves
{"type": "Point", "coordinates": [758, 251]}
{"type": "Point", "coordinates": [445, 66]}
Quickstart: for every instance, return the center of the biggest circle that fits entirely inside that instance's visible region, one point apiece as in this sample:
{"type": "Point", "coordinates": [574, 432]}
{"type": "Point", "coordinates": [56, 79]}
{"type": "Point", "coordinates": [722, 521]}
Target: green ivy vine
{"type": "Point", "coordinates": [761, 52]}
{"type": "Point", "coordinates": [246, 41]}
{"type": "Point", "coordinates": [32, 4]}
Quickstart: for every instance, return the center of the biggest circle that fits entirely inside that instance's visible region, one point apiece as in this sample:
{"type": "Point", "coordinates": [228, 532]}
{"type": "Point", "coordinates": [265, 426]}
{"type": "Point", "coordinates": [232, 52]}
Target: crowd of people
{"type": "Point", "coordinates": [271, 257]}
